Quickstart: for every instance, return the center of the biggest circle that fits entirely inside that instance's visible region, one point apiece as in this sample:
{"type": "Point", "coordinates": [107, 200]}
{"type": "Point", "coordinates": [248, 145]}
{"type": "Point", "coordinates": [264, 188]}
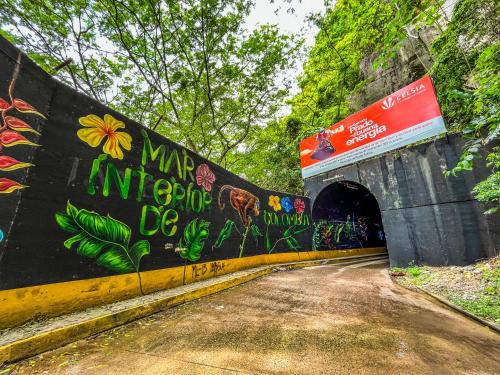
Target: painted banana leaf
{"type": "Point", "coordinates": [103, 238]}
{"type": "Point", "coordinates": [193, 240]}
{"type": "Point", "coordinates": [289, 235]}
{"type": "Point", "coordinates": [224, 233]}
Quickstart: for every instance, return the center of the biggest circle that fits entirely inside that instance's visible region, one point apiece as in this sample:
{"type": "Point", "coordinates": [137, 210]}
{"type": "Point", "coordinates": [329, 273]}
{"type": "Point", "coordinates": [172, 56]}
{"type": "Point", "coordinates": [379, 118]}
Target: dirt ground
{"type": "Point", "coordinates": [330, 319]}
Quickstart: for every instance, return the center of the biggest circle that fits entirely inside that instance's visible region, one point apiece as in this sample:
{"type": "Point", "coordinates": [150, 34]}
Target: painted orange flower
{"type": "Point", "coordinates": [274, 202]}
{"type": "Point", "coordinates": [97, 129]}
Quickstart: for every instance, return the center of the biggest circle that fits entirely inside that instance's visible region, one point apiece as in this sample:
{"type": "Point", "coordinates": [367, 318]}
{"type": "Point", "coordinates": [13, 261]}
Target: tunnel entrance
{"type": "Point", "coordinates": [346, 216]}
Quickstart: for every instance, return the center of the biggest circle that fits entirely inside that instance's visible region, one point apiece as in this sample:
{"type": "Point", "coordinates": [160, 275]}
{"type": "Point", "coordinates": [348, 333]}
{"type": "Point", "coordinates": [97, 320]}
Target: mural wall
{"type": "Point", "coordinates": [346, 216]}
{"type": "Point", "coordinates": [88, 193]}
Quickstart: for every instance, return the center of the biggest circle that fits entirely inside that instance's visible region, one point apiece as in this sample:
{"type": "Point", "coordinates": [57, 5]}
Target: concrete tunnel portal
{"type": "Point", "coordinates": [346, 215]}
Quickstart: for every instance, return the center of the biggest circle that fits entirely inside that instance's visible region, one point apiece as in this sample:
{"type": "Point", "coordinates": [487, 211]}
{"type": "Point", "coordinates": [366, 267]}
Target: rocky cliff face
{"type": "Point", "coordinates": [409, 64]}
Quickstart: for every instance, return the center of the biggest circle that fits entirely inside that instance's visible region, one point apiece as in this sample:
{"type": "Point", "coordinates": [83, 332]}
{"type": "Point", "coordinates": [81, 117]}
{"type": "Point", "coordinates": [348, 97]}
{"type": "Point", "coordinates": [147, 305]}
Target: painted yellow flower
{"type": "Point", "coordinates": [97, 129]}
{"type": "Point", "coordinates": [274, 202]}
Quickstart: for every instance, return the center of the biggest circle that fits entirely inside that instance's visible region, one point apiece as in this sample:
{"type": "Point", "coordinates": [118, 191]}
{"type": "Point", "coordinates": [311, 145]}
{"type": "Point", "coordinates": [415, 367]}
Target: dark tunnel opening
{"type": "Point", "coordinates": [346, 216]}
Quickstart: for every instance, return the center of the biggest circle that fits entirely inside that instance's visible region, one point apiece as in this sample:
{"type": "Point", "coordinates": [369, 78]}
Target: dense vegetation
{"type": "Point", "coordinates": [186, 68]}
{"type": "Point", "coordinates": [191, 71]}
{"type": "Point", "coordinates": [463, 61]}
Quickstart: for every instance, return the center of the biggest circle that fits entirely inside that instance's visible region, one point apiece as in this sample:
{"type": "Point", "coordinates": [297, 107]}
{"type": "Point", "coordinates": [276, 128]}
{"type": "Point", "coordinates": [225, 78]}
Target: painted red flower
{"type": "Point", "coordinates": [299, 205]}
{"type": "Point", "coordinates": [8, 163]}
{"type": "Point", "coordinates": [4, 105]}
{"type": "Point", "coordinates": [9, 138]}
{"type": "Point", "coordinates": [8, 186]}
{"type": "Point", "coordinates": [205, 177]}
{"type": "Point", "coordinates": [24, 107]}
{"type": "Point", "coordinates": [19, 125]}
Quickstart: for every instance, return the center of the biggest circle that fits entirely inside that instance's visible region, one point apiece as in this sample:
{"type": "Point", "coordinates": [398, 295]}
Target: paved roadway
{"type": "Point", "coordinates": [330, 319]}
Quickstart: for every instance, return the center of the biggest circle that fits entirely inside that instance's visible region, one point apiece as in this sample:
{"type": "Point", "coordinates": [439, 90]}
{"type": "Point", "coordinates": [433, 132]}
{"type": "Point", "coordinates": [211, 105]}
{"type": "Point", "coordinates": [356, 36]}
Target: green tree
{"type": "Point", "coordinates": [467, 76]}
{"type": "Point", "coordinates": [186, 68]}
{"type": "Point", "coordinates": [350, 33]}
{"type": "Point", "coordinates": [463, 62]}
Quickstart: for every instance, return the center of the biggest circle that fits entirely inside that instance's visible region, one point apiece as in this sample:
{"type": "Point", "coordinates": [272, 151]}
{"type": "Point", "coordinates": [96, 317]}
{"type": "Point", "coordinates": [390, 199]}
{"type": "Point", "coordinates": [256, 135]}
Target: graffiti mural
{"type": "Point", "coordinates": [19, 123]}
{"type": "Point", "coordinates": [289, 223]}
{"type": "Point", "coordinates": [11, 128]}
{"type": "Point", "coordinates": [113, 197]}
{"type": "Point", "coordinates": [338, 234]}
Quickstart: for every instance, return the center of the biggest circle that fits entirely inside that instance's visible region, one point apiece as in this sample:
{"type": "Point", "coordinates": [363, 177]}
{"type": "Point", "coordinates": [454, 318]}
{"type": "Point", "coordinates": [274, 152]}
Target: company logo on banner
{"type": "Point", "coordinates": [406, 116]}
{"type": "Point", "coordinates": [388, 103]}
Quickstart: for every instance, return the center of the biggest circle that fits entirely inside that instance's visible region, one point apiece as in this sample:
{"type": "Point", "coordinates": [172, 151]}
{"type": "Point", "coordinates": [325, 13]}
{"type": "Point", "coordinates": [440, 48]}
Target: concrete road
{"type": "Point", "coordinates": [329, 319]}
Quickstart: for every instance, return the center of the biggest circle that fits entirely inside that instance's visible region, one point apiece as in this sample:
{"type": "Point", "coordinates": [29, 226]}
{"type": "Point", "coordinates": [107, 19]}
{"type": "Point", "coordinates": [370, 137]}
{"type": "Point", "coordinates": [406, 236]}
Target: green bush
{"type": "Point", "coordinates": [414, 271]}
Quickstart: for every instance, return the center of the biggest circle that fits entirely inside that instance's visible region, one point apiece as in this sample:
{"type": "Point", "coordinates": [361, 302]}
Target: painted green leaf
{"type": "Point", "coordinates": [293, 230]}
{"type": "Point", "coordinates": [256, 231]}
{"type": "Point", "coordinates": [224, 233]}
{"type": "Point", "coordinates": [102, 237]}
{"type": "Point", "coordinates": [268, 241]}
{"type": "Point", "coordinates": [293, 243]}
{"type": "Point", "coordinates": [193, 241]}
{"type": "Point", "coordinates": [338, 232]}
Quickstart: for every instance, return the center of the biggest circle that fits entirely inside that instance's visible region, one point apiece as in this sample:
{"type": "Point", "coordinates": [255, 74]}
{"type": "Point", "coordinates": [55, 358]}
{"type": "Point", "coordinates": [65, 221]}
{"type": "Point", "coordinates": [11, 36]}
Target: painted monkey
{"type": "Point", "coordinates": [242, 201]}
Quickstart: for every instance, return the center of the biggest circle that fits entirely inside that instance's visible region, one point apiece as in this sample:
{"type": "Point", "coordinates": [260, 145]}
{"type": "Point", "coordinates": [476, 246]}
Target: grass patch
{"type": "Point", "coordinates": [397, 270]}
{"type": "Point", "coordinates": [474, 288]}
{"type": "Point", "coordinates": [487, 307]}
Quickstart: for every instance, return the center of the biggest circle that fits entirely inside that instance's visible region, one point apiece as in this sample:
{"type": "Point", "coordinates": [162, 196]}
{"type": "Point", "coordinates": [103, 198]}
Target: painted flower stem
{"type": "Point", "coordinates": [11, 92]}
{"type": "Point", "coordinates": [281, 239]}
{"type": "Point", "coordinates": [242, 245]}
{"type": "Point", "coordinates": [140, 282]}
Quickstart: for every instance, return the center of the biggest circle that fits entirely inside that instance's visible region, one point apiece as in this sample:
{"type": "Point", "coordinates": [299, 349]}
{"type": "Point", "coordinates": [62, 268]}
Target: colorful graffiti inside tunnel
{"type": "Point", "coordinates": [346, 216]}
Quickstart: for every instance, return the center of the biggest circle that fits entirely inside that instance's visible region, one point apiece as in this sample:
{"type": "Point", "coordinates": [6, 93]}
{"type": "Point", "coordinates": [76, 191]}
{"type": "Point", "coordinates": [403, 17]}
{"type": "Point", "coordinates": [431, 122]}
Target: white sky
{"type": "Point", "coordinates": [265, 12]}
{"type": "Point", "coordinates": [289, 23]}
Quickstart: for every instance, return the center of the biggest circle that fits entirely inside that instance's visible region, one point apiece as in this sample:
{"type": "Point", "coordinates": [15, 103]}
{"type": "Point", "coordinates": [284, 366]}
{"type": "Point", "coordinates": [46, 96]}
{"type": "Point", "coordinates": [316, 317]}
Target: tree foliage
{"type": "Point", "coordinates": [186, 68]}
{"type": "Point", "coordinates": [350, 33]}
{"type": "Point", "coordinates": [190, 70]}
{"type": "Point", "coordinates": [467, 77]}
{"type": "Point", "coordinates": [464, 66]}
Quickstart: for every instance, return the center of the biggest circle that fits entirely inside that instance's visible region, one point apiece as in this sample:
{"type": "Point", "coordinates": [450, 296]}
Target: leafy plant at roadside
{"type": "Point", "coordinates": [474, 287]}
{"type": "Point", "coordinates": [485, 306]}
{"type": "Point", "coordinates": [397, 269]}
{"type": "Point", "coordinates": [102, 237]}
{"type": "Point", "coordinates": [414, 271]}
{"type": "Point", "coordinates": [193, 240]}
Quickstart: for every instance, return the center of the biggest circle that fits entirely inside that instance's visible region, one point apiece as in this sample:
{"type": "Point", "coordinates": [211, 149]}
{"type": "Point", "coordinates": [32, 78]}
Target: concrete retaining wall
{"type": "Point", "coordinates": [428, 218]}
{"type": "Point", "coordinates": [96, 207]}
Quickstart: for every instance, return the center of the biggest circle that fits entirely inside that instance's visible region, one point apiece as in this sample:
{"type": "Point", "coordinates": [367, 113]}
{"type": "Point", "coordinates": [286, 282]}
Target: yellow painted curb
{"type": "Point", "coordinates": [56, 338]}
{"type": "Point", "coordinates": [21, 305]}
{"type": "Point", "coordinates": [59, 337]}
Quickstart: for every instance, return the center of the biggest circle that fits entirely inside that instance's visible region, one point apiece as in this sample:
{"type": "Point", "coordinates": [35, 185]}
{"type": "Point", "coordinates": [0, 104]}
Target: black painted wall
{"type": "Point", "coordinates": [428, 218]}
{"type": "Point", "coordinates": [155, 203]}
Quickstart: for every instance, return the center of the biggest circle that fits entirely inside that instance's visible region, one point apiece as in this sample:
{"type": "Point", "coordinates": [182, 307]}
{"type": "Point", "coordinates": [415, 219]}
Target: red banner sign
{"type": "Point", "coordinates": [406, 116]}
